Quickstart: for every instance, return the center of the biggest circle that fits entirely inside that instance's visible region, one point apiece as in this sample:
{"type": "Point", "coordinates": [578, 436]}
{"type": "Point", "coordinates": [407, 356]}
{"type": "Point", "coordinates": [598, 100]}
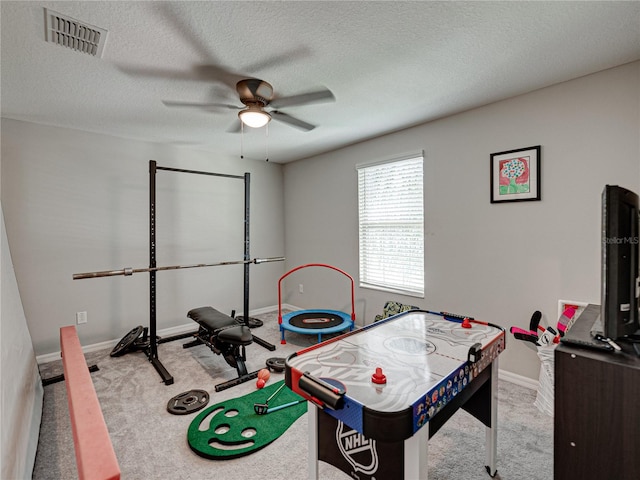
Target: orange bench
{"type": "Point", "coordinates": [95, 456]}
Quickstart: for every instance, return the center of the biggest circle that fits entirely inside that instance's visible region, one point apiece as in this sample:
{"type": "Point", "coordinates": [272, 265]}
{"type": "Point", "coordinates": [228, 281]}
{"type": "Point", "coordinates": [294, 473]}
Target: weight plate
{"type": "Point", "coordinates": [276, 364]}
{"type": "Point", "coordinates": [188, 402]}
{"type": "Point", "coordinates": [127, 341]}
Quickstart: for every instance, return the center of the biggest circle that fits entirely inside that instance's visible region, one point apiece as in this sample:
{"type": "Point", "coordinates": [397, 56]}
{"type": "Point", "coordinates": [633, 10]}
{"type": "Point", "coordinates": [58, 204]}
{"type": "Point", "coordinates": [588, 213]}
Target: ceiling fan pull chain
{"type": "Point", "coordinates": [266, 133]}
{"type": "Point", "coordinates": [241, 139]}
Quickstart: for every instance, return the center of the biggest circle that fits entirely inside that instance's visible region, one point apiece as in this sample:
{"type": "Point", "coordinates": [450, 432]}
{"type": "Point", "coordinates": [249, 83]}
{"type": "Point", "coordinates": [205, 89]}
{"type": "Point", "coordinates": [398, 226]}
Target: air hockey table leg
{"type": "Point", "coordinates": [416, 453]}
{"type": "Point", "coordinates": [312, 418]}
{"type": "Point", "coordinates": [491, 433]}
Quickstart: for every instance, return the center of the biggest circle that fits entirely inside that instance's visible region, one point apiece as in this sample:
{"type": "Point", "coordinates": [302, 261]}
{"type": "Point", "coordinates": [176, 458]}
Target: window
{"type": "Point", "coordinates": [391, 222]}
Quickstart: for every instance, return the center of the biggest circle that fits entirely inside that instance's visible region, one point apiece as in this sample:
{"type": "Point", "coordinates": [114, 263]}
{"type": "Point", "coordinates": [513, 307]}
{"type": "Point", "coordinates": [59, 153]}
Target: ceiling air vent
{"type": "Point", "coordinates": [71, 33]}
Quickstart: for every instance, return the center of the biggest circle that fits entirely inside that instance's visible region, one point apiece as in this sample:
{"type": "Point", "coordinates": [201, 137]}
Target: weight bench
{"type": "Point", "coordinates": [224, 336]}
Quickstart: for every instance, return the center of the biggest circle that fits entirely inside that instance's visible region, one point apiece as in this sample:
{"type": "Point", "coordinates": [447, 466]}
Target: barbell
{"type": "Point", "coordinates": [130, 271]}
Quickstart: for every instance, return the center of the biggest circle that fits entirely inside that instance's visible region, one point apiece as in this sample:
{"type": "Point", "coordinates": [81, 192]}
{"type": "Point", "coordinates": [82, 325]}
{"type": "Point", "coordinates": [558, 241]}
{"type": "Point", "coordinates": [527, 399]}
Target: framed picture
{"type": "Point", "coordinates": [515, 175]}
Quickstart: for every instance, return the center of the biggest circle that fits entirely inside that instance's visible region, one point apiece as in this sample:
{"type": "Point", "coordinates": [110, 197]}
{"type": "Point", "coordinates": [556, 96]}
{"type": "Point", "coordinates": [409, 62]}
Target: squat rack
{"type": "Point", "coordinates": [150, 344]}
{"type": "Point", "coordinates": [152, 351]}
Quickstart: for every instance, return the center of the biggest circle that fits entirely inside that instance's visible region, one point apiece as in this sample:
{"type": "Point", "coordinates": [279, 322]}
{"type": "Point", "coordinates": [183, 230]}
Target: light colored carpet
{"type": "Point", "coordinates": [151, 443]}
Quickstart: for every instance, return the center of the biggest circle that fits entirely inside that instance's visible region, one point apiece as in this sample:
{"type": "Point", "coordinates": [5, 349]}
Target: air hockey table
{"type": "Point", "coordinates": [380, 392]}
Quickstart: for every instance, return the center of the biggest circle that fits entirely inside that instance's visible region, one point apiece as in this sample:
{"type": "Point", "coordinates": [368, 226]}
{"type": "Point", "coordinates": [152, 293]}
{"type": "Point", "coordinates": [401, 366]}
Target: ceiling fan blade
{"type": "Point", "coordinates": [172, 16]}
{"type": "Point", "coordinates": [293, 121]}
{"type": "Point", "coordinates": [324, 95]}
{"type": "Point", "coordinates": [203, 106]}
{"type": "Point", "coordinates": [209, 71]}
{"type": "Point", "coordinates": [195, 75]}
{"type": "Point", "coordinates": [276, 60]}
{"type": "Point", "coordinates": [218, 73]}
{"type": "Point", "coordinates": [198, 73]}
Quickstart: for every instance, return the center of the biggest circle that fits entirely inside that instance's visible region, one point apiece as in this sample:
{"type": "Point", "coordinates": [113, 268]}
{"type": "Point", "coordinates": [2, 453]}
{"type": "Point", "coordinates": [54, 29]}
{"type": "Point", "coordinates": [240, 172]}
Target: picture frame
{"type": "Point", "coordinates": [515, 175]}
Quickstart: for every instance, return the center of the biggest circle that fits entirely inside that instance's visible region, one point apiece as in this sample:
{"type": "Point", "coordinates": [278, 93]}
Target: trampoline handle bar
{"type": "Point", "coordinates": [130, 271]}
{"type": "Point", "coordinates": [353, 302]}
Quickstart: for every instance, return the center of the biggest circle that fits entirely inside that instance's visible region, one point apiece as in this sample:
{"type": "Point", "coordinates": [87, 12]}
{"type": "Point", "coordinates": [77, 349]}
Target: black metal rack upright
{"type": "Point", "coordinates": [152, 349]}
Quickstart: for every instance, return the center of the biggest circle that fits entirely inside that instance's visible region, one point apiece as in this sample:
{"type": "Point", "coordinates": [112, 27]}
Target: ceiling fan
{"type": "Point", "coordinates": [256, 95]}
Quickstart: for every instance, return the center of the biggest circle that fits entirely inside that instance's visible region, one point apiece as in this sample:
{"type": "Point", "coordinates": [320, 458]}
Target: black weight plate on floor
{"type": "Point", "coordinates": [127, 341]}
{"type": "Point", "coordinates": [188, 402]}
{"type": "Point", "coordinates": [252, 323]}
{"type": "Point", "coordinates": [276, 364]}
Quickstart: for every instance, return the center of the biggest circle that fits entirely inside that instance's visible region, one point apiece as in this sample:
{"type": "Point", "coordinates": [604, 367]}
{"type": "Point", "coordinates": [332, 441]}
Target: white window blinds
{"type": "Point", "coordinates": [391, 223]}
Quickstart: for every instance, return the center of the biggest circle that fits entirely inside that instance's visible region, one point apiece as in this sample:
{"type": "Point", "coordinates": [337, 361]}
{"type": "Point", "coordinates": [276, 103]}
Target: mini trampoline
{"type": "Point", "coordinates": [315, 322]}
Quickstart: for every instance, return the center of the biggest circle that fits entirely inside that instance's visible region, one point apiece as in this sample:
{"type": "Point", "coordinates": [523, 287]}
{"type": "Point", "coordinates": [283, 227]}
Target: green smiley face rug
{"type": "Point", "coordinates": [243, 425]}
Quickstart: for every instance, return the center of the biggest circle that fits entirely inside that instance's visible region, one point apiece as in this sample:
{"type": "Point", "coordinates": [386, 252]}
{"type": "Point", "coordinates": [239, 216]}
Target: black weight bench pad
{"type": "Point", "coordinates": [225, 327]}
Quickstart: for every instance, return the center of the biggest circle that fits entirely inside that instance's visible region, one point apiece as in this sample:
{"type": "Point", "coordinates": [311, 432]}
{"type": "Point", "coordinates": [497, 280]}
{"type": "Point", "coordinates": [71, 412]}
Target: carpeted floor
{"type": "Point", "coordinates": [151, 443]}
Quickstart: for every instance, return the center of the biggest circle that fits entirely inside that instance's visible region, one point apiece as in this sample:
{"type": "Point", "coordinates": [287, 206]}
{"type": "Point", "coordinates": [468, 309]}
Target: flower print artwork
{"type": "Point", "coordinates": [515, 175]}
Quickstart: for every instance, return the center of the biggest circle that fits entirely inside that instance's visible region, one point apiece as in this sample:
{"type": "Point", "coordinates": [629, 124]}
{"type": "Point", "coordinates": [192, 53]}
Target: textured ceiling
{"type": "Point", "coordinates": [390, 65]}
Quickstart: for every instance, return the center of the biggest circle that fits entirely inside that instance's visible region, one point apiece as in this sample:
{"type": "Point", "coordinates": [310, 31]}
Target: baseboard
{"type": "Point", "coordinates": [48, 357]}
{"type": "Point", "coordinates": [518, 379]}
{"type": "Point", "coordinates": [165, 332]}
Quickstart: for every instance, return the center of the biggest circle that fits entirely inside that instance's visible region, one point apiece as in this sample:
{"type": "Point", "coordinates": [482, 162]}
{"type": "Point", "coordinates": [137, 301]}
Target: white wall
{"type": "Point", "coordinates": [78, 202]}
{"type": "Point", "coordinates": [22, 391]}
{"type": "Point", "coordinates": [496, 262]}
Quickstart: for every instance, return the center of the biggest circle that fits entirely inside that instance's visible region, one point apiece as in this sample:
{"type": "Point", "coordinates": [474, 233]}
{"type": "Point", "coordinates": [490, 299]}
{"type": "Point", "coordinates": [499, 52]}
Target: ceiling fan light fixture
{"type": "Point", "coordinates": [254, 117]}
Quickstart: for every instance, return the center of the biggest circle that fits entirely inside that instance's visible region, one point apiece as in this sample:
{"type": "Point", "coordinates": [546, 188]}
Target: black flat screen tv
{"type": "Point", "coordinates": [619, 263]}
